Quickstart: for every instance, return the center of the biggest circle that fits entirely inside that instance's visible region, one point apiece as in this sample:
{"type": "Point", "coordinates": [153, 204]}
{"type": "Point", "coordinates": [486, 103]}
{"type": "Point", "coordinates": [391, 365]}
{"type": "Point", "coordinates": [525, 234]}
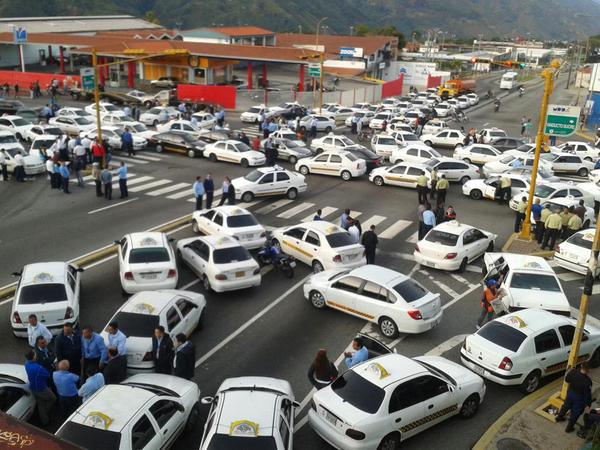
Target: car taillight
{"type": "Point", "coordinates": [337, 258]}
{"type": "Point", "coordinates": [506, 364]}
{"type": "Point", "coordinates": [128, 276]}
{"type": "Point", "coordinates": [415, 314]}
{"type": "Point", "coordinates": [17, 318]}
{"type": "Point", "coordinates": [147, 356]}
{"type": "Point", "coordinates": [221, 277]}
{"type": "Point", "coordinates": [172, 273]}
{"type": "Point", "coordinates": [355, 434]}
{"type": "Point", "coordinates": [417, 249]}
{"type": "Point", "coordinates": [256, 271]}
{"type": "Point", "coordinates": [69, 313]}
{"type": "Point", "coordinates": [450, 256]}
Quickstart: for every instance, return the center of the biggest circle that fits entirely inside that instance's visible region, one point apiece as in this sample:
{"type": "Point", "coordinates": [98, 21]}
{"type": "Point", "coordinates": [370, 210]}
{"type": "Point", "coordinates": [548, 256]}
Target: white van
{"type": "Point", "coordinates": [509, 80]}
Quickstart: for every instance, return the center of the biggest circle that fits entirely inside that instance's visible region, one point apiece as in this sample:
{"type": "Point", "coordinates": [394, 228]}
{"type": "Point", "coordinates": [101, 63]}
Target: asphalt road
{"type": "Point", "coordinates": [270, 330]}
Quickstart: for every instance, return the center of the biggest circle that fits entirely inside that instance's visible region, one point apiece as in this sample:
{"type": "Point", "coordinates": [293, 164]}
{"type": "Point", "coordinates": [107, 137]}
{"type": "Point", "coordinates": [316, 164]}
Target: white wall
{"type": "Point", "coordinates": [206, 40]}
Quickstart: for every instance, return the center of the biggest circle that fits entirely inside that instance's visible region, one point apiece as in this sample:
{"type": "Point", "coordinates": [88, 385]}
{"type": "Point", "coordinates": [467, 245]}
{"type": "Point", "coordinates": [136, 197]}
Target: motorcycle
{"type": "Point", "coordinates": [521, 91]}
{"type": "Point", "coordinates": [489, 94]}
{"type": "Point", "coordinates": [270, 254]}
{"type": "Point", "coordinates": [496, 106]}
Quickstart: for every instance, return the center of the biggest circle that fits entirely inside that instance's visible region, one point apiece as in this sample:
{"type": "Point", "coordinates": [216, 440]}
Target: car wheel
{"type": "Point", "coordinates": [469, 407]}
{"type": "Point", "coordinates": [464, 179]}
{"type": "Point", "coordinates": [205, 283]}
{"type": "Point", "coordinates": [490, 247]}
{"type": "Point", "coordinates": [463, 265]}
{"type": "Point", "coordinates": [275, 243]}
{"type": "Point", "coordinates": [159, 149]}
{"type": "Point", "coordinates": [292, 193]}
{"type": "Point", "coordinates": [428, 143]}
{"type": "Point", "coordinates": [467, 160]}
{"type": "Point", "coordinates": [292, 159]}
{"type": "Point", "coordinates": [317, 300]}
{"type": "Point", "coordinates": [147, 104]}
{"type": "Point", "coordinates": [531, 382]}
{"type": "Point", "coordinates": [595, 359]}
{"type": "Point", "coordinates": [476, 194]}
{"type": "Point", "coordinates": [317, 266]}
{"type": "Point", "coordinates": [247, 197]}
{"type": "Point", "coordinates": [244, 162]}
{"type": "Point", "coordinates": [458, 146]}
{"type": "Point", "coordinates": [586, 224]}
{"type": "Point", "coordinates": [378, 181]}
{"type": "Point", "coordinates": [328, 130]}
{"type": "Point", "coordinates": [154, 123]}
{"type": "Point", "coordinates": [195, 227]}
{"type": "Point", "coordinates": [390, 442]}
{"type": "Point", "coordinates": [191, 153]}
{"type": "Point", "coordinates": [193, 419]}
{"type": "Point", "coordinates": [583, 172]}
{"type": "Point", "coordinates": [304, 170]}
{"type": "Point", "coordinates": [212, 157]}
{"type": "Point", "coordinates": [346, 176]}
{"type": "Point", "coordinates": [388, 327]}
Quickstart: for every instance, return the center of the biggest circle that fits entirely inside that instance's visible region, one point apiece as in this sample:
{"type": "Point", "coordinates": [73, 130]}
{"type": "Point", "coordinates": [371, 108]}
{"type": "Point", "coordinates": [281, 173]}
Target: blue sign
{"type": "Point", "coordinates": [351, 52]}
{"type": "Point", "coordinates": [20, 35]}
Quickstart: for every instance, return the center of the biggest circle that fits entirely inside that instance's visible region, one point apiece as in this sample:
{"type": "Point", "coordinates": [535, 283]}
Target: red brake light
{"type": "Point", "coordinates": [450, 256]}
{"type": "Point", "coordinates": [506, 364]}
{"type": "Point", "coordinates": [337, 258]}
{"type": "Point", "coordinates": [415, 314]}
{"type": "Point", "coordinates": [172, 273]}
{"type": "Point", "coordinates": [69, 313]}
{"type": "Point", "coordinates": [128, 276]}
{"type": "Point", "coordinates": [477, 170]}
{"type": "Point", "coordinates": [17, 318]}
{"type": "Point", "coordinates": [221, 277]}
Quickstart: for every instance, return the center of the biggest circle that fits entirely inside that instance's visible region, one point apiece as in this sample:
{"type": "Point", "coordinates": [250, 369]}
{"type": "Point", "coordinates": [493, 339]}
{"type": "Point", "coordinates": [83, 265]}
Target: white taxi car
{"type": "Point", "coordinates": [508, 162]}
{"type": "Point", "coordinates": [477, 153]}
{"type": "Point", "coordinates": [434, 125]}
{"type": "Point", "coordinates": [253, 114]}
{"type": "Point", "coordinates": [220, 262]}
{"type": "Point", "coordinates": [443, 109]}
{"type": "Point", "coordinates": [404, 138]}
{"type": "Point", "coordinates": [526, 282]}
{"type": "Point", "coordinates": [376, 122]}
{"type": "Point", "coordinates": [177, 310]}
{"type": "Point", "coordinates": [113, 135]}
{"type": "Point", "coordinates": [283, 133]}
{"type": "Point", "coordinates": [488, 134]}
{"type": "Point", "coordinates": [233, 151]}
{"type": "Point", "coordinates": [269, 181]}
{"type": "Point", "coordinates": [574, 253]}
{"type": "Point", "coordinates": [146, 262]}
{"type": "Point", "coordinates": [385, 400]}
{"type": "Point", "coordinates": [584, 149]}
{"type": "Point", "coordinates": [15, 397]}
{"type": "Point", "coordinates": [70, 111]}
{"type": "Point", "coordinates": [50, 290]}
{"type": "Point", "coordinates": [16, 125]}
{"type": "Point", "coordinates": [488, 188]}
{"type": "Point", "coordinates": [158, 114]}
{"type": "Point", "coordinates": [551, 191]}
{"type": "Point", "coordinates": [453, 169]}
{"type": "Point", "coordinates": [418, 154]}
{"type": "Point", "coordinates": [397, 303]}
{"type": "Point", "coordinates": [73, 125]}
{"type": "Point", "coordinates": [145, 412]}
{"type": "Point", "coordinates": [320, 244]}
{"type": "Point", "coordinates": [105, 108]}
{"type": "Point", "coordinates": [289, 150]}
{"type": "Point", "coordinates": [444, 138]}
{"type": "Point", "coordinates": [331, 142]}
{"type": "Point", "coordinates": [452, 245]}
{"type": "Point", "coordinates": [342, 164]}
{"type": "Point", "coordinates": [473, 98]}
{"type": "Point", "coordinates": [401, 174]}
{"type": "Point", "coordinates": [33, 165]}
{"type": "Point", "coordinates": [204, 119]}
{"type": "Point", "coordinates": [384, 145]}
{"type": "Point", "coordinates": [324, 123]}
{"type": "Point", "coordinates": [568, 163]}
{"type": "Point", "coordinates": [522, 347]}
{"type": "Point", "coordinates": [365, 115]}
{"type": "Point", "coordinates": [233, 221]}
{"type": "Point", "coordinates": [250, 413]}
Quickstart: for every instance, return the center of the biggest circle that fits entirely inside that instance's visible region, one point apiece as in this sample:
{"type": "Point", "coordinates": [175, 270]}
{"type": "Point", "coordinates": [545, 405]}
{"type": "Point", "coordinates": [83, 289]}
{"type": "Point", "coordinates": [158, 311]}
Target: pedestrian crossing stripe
{"type": "Point", "coordinates": [273, 206]}
{"type": "Point", "coordinates": [166, 190]}
{"type": "Point", "coordinates": [325, 212]}
{"type": "Point", "coordinates": [295, 210]}
{"type": "Point", "coordinates": [429, 418]}
{"type": "Point", "coordinates": [150, 185]}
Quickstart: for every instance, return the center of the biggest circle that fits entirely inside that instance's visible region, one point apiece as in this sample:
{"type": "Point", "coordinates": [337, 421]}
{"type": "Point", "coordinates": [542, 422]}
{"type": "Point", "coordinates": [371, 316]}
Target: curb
{"type": "Point", "coordinates": [486, 438]}
{"type": "Point", "coordinates": [541, 253]}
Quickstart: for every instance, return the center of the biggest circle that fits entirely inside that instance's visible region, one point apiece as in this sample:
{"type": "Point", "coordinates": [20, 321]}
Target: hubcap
{"type": "Point", "coordinates": [318, 300]}
{"type": "Point", "coordinates": [469, 407]}
{"type": "Point", "coordinates": [532, 385]}
{"type": "Point", "coordinates": [317, 267]}
{"type": "Point", "coordinates": [387, 328]}
{"type": "Point", "coordinates": [390, 444]}
{"type": "Point", "coordinates": [206, 283]}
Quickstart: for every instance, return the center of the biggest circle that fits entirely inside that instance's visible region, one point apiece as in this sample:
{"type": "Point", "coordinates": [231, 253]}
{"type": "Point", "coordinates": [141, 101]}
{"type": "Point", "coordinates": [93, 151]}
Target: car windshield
{"type": "Point", "coordinates": [228, 442]}
{"type": "Point", "coordinates": [136, 325]}
{"type": "Point", "coordinates": [8, 139]}
{"type": "Point", "coordinates": [12, 152]}
{"type": "Point", "coordinates": [290, 144]}
{"type": "Point", "coordinates": [410, 137]}
{"type": "Point", "coordinates": [253, 176]}
{"type": "Point", "coordinates": [502, 335]}
{"type": "Point", "coordinates": [111, 108]}
{"type": "Point", "coordinates": [410, 290]}
{"type": "Point", "coordinates": [442, 238]}
{"type": "Point", "coordinates": [230, 255]}
{"type": "Point", "coordinates": [534, 281]}
{"type": "Point", "coordinates": [442, 106]}
{"type": "Point", "coordinates": [154, 111]}
{"type": "Point", "coordinates": [42, 293]}
{"type": "Point", "coordinates": [19, 122]}
{"type": "Point", "coordinates": [148, 255]}
{"type": "Point", "coordinates": [91, 438]}
{"type": "Point", "coordinates": [340, 239]}
{"type": "Point", "coordinates": [254, 110]}
{"type": "Point", "coordinates": [543, 190]}
{"type": "Point", "coordinates": [382, 116]}
{"type": "Point", "coordinates": [139, 127]}
{"type": "Point", "coordinates": [497, 133]}
{"type": "Point", "coordinates": [241, 147]}
{"type": "Point", "coordinates": [359, 392]}
{"type": "Point", "coordinates": [241, 220]}
{"type": "Point", "coordinates": [582, 240]}
{"type": "Point", "coordinates": [82, 121]}
{"type": "Point", "coordinates": [549, 156]}
{"type": "Point", "coordinates": [39, 143]}
{"type": "Point", "coordinates": [507, 159]}
{"type": "Point", "coordinates": [386, 141]}
{"type": "Point", "coordinates": [55, 131]}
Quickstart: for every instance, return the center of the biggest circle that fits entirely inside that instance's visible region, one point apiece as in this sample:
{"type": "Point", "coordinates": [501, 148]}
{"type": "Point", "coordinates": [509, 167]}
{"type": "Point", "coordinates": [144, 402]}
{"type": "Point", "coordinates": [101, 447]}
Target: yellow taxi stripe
{"type": "Point", "coordinates": [350, 310]}
{"type": "Point", "coordinates": [408, 180]}
{"type": "Point", "coordinates": [298, 249]}
{"type": "Point", "coordinates": [424, 420]}
{"type": "Point", "coordinates": [176, 150]}
{"type": "Point", "coordinates": [269, 193]}
{"type": "Point", "coordinates": [563, 365]}
{"type": "Point", "coordinates": [327, 170]}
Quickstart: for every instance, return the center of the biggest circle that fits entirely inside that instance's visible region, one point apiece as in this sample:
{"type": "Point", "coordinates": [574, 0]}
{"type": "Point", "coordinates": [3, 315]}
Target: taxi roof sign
{"type": "Point", "coordinates": [243, 428]}
{"type": "Point", "coordinates": [97, 419]}
{"type": "Point", "coordinates": [43, 277]}
{"type": "Point", "coordinates": [378, 370]}
{"type": "Point", "coordinates": [516, 322]}
{"type": "Point", "coordinates": [143, 308]}
{"type": "Point", "coordinates": [148, 241]}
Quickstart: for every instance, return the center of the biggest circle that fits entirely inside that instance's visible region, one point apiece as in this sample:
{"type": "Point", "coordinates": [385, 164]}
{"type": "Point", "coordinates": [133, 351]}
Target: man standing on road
{"type": "Point", "coordinates": [523, 122]}
{"type": "Point", "coordinates": [198, 192]}
{"type": "Point", "coordinates": [93, 349]}
{"type": "Point", "coordinates": [422, 188]}
{"type": "Point", "coordinates": [441, 189]}
{"type": "Point", "coordinates": [106, 179]}
{"type": "Point", "coordinates": [434, 180]}
{"type": "Point", "coordinates": [552, 228]}
{"type": "Point", "coordinates": [127, 142]}
{"type": "Point", "coordinates": [38, 378]}
{"type": "Point", "coordinates": [162, 351]}
{"type": "Point", "coordinates": [49, 171]}
{"type": "Point", "coordinates": [3, 165]}
{"type": "Point", "coordinates": [541, 227]}
{"type": "Point", "coordinates": [65, 173]}
{"type": "Point", "coordinates": [565, 216]}
{"type": "Point", "coordinates": [209, 190]}
{"type": "Point", "coordinates": [574, 225]}
{"type": "Point", "coordinates": [115, 370]}
{"type": "Point", "coordinates": [428, 219]}
{"type": "Point", "coordinates": [344, 222]}
{"type": "Point", "coordinates": [96, 177]}
{"type": "Point", "coordinates": [490, 293]}
{"type": "Point", "coordinates": [318, 215]}
{"type": "Point", "coordinates": [370, 241]}
{"type": "Point", "coordinates": [224, 191]}
{"type": "Point", "coordinates": [185, 357]}
{"type": "Point", "coordinates": [94, 381]}
{"type": "Point", "coordinates": [19, 169]}
{"type": "Point", "coordinates": [580, 210]}
{"type": "Point", "coordinates": [67, 346]}
{"type": "Point", "coordinates": [505, 189]}
{"type": "Point", "coordinates": [66, 388]}
{"type": "Point", "coordinates": [520, 213]}
{"type": "Point", "coordinates": [354, 230]}
{"type": "Point", "coordinates": [313, 127]}
{"type": "Point", "coordinates": [536, 211]}
{"type": "Point", "coordinates": [98, 152]}
{"type": "Point", "coordinates": [122, 172]}
{"type": "Point", "coordinates": [420, 210]}
{"type": "Point", "coordinates": [35, 329]}
{"type": "Point", "coordinates": [579, 395]}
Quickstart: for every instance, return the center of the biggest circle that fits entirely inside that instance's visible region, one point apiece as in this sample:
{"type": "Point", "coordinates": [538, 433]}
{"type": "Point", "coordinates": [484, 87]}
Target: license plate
{"type": "Point", "coordinates": [331, 419]}
{"type": "Point", "coordinates": [478, 370]}
{"type": "Point", "coordinates": [293, 264]}
{"type": "Point", "coordinates": [248, 236]}
{"type": "Point", "coordinates": [240, 274]}
{"type": "Point", "coordinates": [149, 276]}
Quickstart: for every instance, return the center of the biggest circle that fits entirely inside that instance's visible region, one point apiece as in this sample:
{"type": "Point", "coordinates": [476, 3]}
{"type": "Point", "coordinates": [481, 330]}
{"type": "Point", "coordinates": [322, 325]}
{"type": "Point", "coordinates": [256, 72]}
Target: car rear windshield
{"type": "Point", "coordinates": [242, 220]}
{"type": "Point", "coordinates": [503, 335]}
{"type": "Point", "coordinates": [90, 438]}
{"type": "Point", "coordinates": [582, 240]}
{"type": "Point", "coordinates": [359, 392]}
{"type": "Point", "coordinates": [136, 325]}
{"type": "Point", "coordinates": [227, 442]}
{"type": "Point", "coordinates": [410, 290]}
{"type": "Point", "coordinates": [410, 137]}
{"type": "Point", "coordinates": [534, 281]}
{"type": "Point", "coordinates": [148, 255]}
{"type": "Point", "coordinates": [42, 293]}
{"type": "Point", "coordinates": [442, 238]}
{"type": "Point", "coordinates": [230, 255]}
{"type": "Point", "coordinates": [351, 157]}
{"type": "Point", "coordinates": [339, 239]}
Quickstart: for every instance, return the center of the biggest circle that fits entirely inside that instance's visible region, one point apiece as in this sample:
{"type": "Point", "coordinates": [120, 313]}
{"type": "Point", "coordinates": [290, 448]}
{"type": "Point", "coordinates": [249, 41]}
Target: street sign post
{"type": "Point", "coordinates": [19, 35]}
{"type": "Point", "coordinates": [87, 78]}
{"type": "Point", "coordinates": [561, 120]}
{"type": "Point", "coordinates": [314, 70]}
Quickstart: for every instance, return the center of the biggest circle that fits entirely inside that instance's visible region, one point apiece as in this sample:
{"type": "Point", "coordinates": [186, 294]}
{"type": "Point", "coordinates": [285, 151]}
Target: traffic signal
{"type": "Point", "coordinates": [473, 60]}
{"type": "Point", "coordinates": [509, 63]}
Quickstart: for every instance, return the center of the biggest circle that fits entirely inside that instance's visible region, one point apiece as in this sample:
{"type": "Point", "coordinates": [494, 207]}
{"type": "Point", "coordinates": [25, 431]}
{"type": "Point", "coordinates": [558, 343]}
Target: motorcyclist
{"type": "Point", "coordinates": [496, 104]}
{"type": "Point", "coordinates": [490, 94]}
{"type": "Point", "coordinates": [521, 91]}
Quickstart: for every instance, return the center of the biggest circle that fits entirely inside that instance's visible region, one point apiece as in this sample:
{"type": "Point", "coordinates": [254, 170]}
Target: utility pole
{"type": "Point", "coordinates": [570, 66]}
{"type": "Point", "coordinates": [97, 102]}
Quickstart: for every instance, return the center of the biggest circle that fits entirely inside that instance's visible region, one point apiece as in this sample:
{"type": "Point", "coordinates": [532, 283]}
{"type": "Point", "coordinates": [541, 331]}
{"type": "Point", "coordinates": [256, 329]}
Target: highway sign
{"type": "Point", "coordinates": [87, 78]}
{"type": "Point", "coordinates": [314, 69]}
{"type": "Point", "coordinates": [561, 120]}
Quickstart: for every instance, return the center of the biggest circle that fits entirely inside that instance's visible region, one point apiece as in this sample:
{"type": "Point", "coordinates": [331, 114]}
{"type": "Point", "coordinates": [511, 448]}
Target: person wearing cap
{"type": "Point", "coordinates": [490, 293]}
{"type": "Point", "coordinates": [552, 228]}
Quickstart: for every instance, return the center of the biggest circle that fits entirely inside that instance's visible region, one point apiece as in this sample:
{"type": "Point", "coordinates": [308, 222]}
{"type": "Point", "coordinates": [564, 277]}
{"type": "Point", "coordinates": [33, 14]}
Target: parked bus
{"type": "Point", "coordinates": [509, 80]}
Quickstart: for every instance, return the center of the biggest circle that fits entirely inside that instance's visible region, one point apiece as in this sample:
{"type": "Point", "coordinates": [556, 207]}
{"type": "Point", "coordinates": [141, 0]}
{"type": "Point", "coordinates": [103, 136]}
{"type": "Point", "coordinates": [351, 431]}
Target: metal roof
{"type": "Point", "coordinates": [75, 24]}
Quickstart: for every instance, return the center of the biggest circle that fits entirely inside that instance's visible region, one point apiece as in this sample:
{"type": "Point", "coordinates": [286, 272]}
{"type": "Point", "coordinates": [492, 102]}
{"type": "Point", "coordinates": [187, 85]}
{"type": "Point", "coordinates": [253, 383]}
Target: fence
{"type": "Point", "coordinates": [24, 79]}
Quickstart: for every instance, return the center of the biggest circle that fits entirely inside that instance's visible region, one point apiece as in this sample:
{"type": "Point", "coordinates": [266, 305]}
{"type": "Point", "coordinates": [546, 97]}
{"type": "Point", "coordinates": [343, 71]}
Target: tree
{"type": "Point", "coordinates": [392, 31]}
{"type": "Point", "coordinates": [362, 30]}
{"type": "Point", "coordinates": [150, 16]}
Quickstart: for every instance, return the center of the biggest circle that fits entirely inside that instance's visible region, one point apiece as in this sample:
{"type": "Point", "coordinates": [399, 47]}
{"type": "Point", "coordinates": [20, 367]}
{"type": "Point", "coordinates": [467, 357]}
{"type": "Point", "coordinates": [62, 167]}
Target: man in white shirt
{"type": "Point", "coordinates": [354, 231]}
{"type": "Point", "coordinates": [19, 169]}
{"type": "Point", "coordinates": [50, 170]}
{"type": "Point", "coordinates": [3, 165]}
{"type": "Point", "coordinates": [35, 329]}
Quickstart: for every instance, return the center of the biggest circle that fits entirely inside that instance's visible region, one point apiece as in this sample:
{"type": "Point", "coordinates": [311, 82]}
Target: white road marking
{"type": "Point", "coordinates": [128, 160]}
{"type": "Point", "coordinates": [570, 276]}
{"type": "Point", "coordinates": [173, 187]}
{"type": "Point", "coordinates": [444, 287]}
{"type": "Point", "coordinates": [413, 270]}
{"type": "Point", "coordinates": [473, 268]}
{"type": "Point", "coordinates": [134, 181]}
{"type": "Point", "coordinates": [295, 210]}
{"type": "Point", "coordinates": [113, 205]}
{"type": "Point", "coordinates": [375, 220]}
{"type": "Point", "coordinates": [355, 214]}
{"type": "Point", "coordinates": [406, 256]}
{"type": "Point", "coordinates": [147, 158]}
{"type": "Point", "coordinates": [414, 238]}
{"type": "Point", "coordinates": [145, 187]}
{"type": "Point", "coordinates": [447, 345]}
{"type": "Point", "coordinates": [273, 206]}
{"type": "Point", "coordinates": [395, 229]}
{"type": "Point", "coordinates": [181, 194]}
{"type": "Point", "coordinates": [460, 297]}
{"type": "Point", "coordinates": [327, 211]}
{"type": "Point", "coordinates": [460, 279]}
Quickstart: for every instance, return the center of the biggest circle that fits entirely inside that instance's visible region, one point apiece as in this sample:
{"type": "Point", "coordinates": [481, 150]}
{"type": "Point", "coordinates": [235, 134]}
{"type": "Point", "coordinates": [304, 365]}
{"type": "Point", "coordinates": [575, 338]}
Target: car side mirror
{"type": "Point", "coordinates": [117, 242]}
{"type": "Point", "coordinates": [80, 269]}
{"type": "Point", "coordinates": [16, 274]}
{"type": "Point", "coordinates": [179, 407]}
{"type": "Point", "coordinates": [207, 400]}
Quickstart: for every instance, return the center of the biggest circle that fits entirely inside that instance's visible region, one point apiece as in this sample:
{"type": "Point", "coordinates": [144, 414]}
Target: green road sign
{"type": "Point", "coordinates": [314, 70]}
{"type": "Point", "coordinates": [561, 120]}
{"type": "Point", "coordinates": [87, 78]}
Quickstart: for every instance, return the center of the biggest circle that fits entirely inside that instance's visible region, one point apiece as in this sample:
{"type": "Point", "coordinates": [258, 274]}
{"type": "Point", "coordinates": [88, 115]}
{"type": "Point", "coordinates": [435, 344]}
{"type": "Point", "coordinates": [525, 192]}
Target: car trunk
{"type": "Point", "coordinates": [433, 250]}
{"type": "Point", "coordinates": [137, 347]}
{"type": "Point", "coordinates": [429, 305]}
{"type": "Point", "coordinates": [485, 353]}
{"type": "Point", "coordinates": [247, 235]}
{"type": "Point", "coordinates": [350, 253]}
{"type": "Point", "coordinates": [535, 298]}
{"type": "Point", "coordinates": [238, 270]}
{"type": "Point", "coordinates": [51, 313]}
{"type": "Point", "coordinates": [150, 273]}
{"type": "Point", "coordinates": [345, 415]}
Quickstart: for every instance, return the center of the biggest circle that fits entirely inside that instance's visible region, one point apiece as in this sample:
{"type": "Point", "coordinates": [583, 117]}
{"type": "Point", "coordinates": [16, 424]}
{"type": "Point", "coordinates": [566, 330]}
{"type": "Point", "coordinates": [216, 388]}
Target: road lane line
{"type": "Point", "coordinates": [113, 205]}
{"type": "Point", "coordinates": [129, 160]}
{"type": "Point", "coordinates": [250, 322]}
{"type": "Point", "coordinates": [374, 220]}
{"type": "Point", "coordinates": [184, 193]}
{"type": "Point", "coordinates": [447, 345]}
{"type": "Point", "coordinates": [328, 210]}
{"type": "Point", "coordinates": [151, 185]}
{"type": "Point", "coordinates": [444, 287]}
{"type": "Point", "coordinates": [134, 181]}
{"type": "Point", "coordinates": [570, 276]}
{"type": "Point", "coordinates": [461, 279]}
{"type": "Point", "coordinates": [273, 206]}
{"type": "Point", "coordinates": [165, 190]}
{"type": "Point", "coordinates": [460, 297]}
{"type": "Point", "coordinates": [413, 238]}
{"type": "Point", "coordinates": [295, 210]}
{"type": "Point", "coordinates": [393, 230]}
{"type": "Point", "coordinates": [147, 158]}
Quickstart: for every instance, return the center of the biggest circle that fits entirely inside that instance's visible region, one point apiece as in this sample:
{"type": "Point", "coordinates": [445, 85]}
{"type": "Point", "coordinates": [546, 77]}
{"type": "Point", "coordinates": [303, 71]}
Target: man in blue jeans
{"type": "Point", "coordinates": [198, 192]}
{"type": "Point", "coordinates": [38, 378]}
{"type": "Point", "coordinates": [579, 395]}
{"type": "Point", "coordinates": [122, 172]}
{"type": "Point", "coordinates": [65, 173]}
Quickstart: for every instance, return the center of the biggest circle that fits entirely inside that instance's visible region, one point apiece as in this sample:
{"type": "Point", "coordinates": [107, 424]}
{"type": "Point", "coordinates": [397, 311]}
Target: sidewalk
{"type": "Point", "coordinates": [520, 427]}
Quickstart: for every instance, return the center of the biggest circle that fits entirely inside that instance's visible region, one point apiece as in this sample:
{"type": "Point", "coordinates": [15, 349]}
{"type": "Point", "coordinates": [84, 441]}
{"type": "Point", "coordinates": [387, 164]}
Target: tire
{"type": "Point", "coordinates": [378, 181]}
{"type": "Point", "coordinates": [206, 283]}
{"type": "Point", "coordinates": [328, 130]}
{"type": "Point", "coordinates": [19, 137]}
{"type": "Point", "coordinates": [147, 104]}
{"type": "Point", "coordinates": [463, 265]}
{"type": "Point", "coordinates": [469, 407]}
{"type": "Point", "coordinates": [476, 194]}
{"type": "Point", "coordinates": [317, 266]}
{"type": "Point", "coordinates": [304, 170]}
{"type": "Point", "coordinates": [319, 151]}
{"type": "Point", "coordinates": [346, 176]}
{"type": "Point", "coordinates": [292, 193]}
{"type": "Point", "coordinates": [428, 143]}
{"type": "Point", "coordinates": [244, 163]}
{"type": "Point", "coordinates": [317, 300]}
{"type": "Point", "coordinates": [388, 327]}
{"type": "Point", "coordinates": [390, 442]}
{"type": "Point", "coordinates": [159, 148]}
{"type": "Point", "coordinates": [154, 123]}
{"type": "Point", "coordinates": [464, 179]}
{"type": "Point", "coordinates": [195, 227]}
{"type": "Point", "coordinates": [288, 271]}
{"type": "Point", "coordinates": [193, 419]}
{"type": "Point", "coordinates": [191, 153]}
{"type": "Point", "coordinates": [490, 247]}
{"type": "Point", "coordinates": [467, 160]}
{"type": "Point", "coordinates": [595, 359]}
{"type": "Point", "coordinates": [531, 382]}
{"type": "Point", "coordinates": [212, 157]}
{"type": "Point", "coordinates": [292, 159]}
{"type": "Point", "coordinates": [583, 172]}
{"type": "Point", "coordinates": [247, 197]}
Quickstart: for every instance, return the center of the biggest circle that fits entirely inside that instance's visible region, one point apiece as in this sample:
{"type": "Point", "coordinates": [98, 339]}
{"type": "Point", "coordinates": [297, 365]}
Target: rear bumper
{"type": "Point", "coordinates": [340, 266]}
{"type": "Point", "coordinates": [55, 328]}
{"type": "Point", "coordinates": [505, 380]}
{"type": "Point", "coordinates": [412, 326]}
{"type": "Point", "coordinates": [336, 440]}
{"type": "Point", "coordinates": [131, 287]}
{"type": "Point", "coordinates": [446, 264]}
{"type": "Point", "coordinates": [232, 285]}
{"type": "Point", "coordinates": [570, 265]}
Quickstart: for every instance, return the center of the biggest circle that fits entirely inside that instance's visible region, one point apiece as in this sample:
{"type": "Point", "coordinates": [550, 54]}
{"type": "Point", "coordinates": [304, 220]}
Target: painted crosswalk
{"type": "Point", "coordinates": [288, 214]}
{"type": "Point", "coordinates": [171, 188]}
{"type": "Point", "coordinates": [153, 184]}
{"type": "Point", "coordinates": [325, 213]}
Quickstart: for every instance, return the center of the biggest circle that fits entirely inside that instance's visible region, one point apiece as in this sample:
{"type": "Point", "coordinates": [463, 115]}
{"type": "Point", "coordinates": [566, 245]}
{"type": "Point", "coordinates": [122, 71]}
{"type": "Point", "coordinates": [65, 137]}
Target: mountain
{"type": "Point", "coordinates": [547, 19]}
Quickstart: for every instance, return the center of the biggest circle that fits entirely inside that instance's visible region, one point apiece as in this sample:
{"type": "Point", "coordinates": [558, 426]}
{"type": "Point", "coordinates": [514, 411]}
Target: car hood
{"type": "Point", "coordinates": [475, 184]}
{"type": "Point", "coordinates": [31, 160]}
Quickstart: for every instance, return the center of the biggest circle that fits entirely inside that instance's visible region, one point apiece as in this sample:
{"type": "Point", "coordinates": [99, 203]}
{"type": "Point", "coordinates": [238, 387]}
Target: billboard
{"type": "Point", "coordinates": [351, 52]}
{"type": "Point", "coordinates": [415, 73]}
{"type": "Point", "coordinates": [595, 79]}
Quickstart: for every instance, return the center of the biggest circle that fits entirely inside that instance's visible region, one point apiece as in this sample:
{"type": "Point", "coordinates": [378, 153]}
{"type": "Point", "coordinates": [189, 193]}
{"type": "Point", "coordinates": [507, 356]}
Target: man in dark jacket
{"type": "Point", "coordinates": [67, 345]}
{"type": "Point", "coordinates": [185, 357]}
{"type": "Point", "coordinates": [579, 395]}
{"type": "Point", "coordinates": [209, 190]}
{"type": "Point", "coordinates": [115, 370]}
{"type": "Point", "coordinates": [162, 351]}
{"type": "Point", "coordinates": [370, 241]}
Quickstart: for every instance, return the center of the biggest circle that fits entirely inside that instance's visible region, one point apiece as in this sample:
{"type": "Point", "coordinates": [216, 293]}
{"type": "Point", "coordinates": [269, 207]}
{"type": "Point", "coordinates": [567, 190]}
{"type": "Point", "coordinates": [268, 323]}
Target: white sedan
{"type": "Point", "coordinates": [574, 253]}
{"type": "Point", "coordinates": [418, 154]}
{"type": "Point", "coordinates": [146, 262]}
{"type": "Point", "coordinates": [16, 125]}
{"type": "Point", "coordinates": [401, 174]}
{"type": "Point", "coordinates": [113, 135]}
{"type": "Point", "coordinates": [343, 164]}
{"type": "Point", "coordinates": [444, 138]}
{"type": "Point", "coordinates": [269, 181]}
{"type": "Point", "coordinates": [233, 221]}
{"type": "Point", "coordinates": [50, 290]}
{"type": "Point", "coordinates": [331, 142]}
{"type": "Point", "coordinates": [584, 149]}
{"type": "Point", "coordinates": [15, 397]}
{"type": "Point", "coordinates": [365, 115]}
{"type": "Point", "coordinates": [235, 152]}
{"type": "Point", "coordinates": [179, 126]}
{"type": "Point", "coordinates": [70, 111]}
{"type": "Point", "coordinates": [324, 123]}
{"type": "Point", "coordinates": [376, 122]}
{"type": "Point", "coordinates": [434, 125]}
{"type": "Point", "coordinates": [477, 153]}
{"type": "Point", "coordinates": [488, 188]}
{"type": "Point", "coordinates": [73, 125]}
{"type": "Point", "coordinates": [158, 114]}
{"type": "Point", "coordinates": [321, 245]}
{"type": "Point", "coordinates": [452, 245]}
{"type": "Point", "coordinates": [204, 119]}
{"type": "Point", "coordinates": [395, 302]}
{"type": "Point", "coordinates": [443, 109]}
{"type": "Point", "coordinates": [253, 114]}
{"type": "Point", "coordinates": [177, 311]}
{"type": "Point", "coordinates": [105, 108]}
{"type": "Point", "coordinates": [489, 134]}
{"type": "Point", "coordinates": [384, 145]}
{"type": "Point", "coordinates": [220, 262]}
{"type": "Point", "coordinates": [250, 412]}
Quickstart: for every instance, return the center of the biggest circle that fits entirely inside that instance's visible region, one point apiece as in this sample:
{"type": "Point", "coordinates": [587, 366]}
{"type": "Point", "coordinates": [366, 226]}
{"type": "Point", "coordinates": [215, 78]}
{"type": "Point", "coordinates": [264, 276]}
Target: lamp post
{"type": "Point", "coordinates": [321, 20]}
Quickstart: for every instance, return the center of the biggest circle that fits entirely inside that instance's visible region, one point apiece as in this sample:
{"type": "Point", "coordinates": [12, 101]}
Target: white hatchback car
{"type": "Point", "coordinates": [331, 142]}
{"type": "Point", "coordinates": [452, 245]}
{"type": "Point", "coordinates": [574, 253]}
{"type": "Point", "coordinates": [342, 164]}
{"type": "Point", "coordinates": [73, 125]}
{"type": "Point", "coordinates": [394, 301]}
{"type": "Point", "coordinates": [269, 181]}
{"type": "Point", "coordinates": [15, 397]}
{"type": "Point", "coordinates": [253, 114]}
{"type": "Point", "coordinates": [250, 413]}
{"type": "Point", "coordinates": [146, 262]}
{"type": "Point", "coordinates": [321, 245]}
{"type": "Point", "coordinates": [390, 398]}
{"type": "Point", "coordinates": [16, 125]}
{"type": "Point", "coordinates": [220, 262]}
{"type": "Point", "coordinates": [33, 164]}
{"type": "Point", "coordinates": [158, 114]}
{"type": "Point", "coordinates": [584, 149]}
{"type": "Point", "coordinates": [176, 310]}
{"type": "Point", "coordinates": [233, 221]}
{"type": "Point", "coordinates": [376, 122]}
{"type": "Point", "coordinates": [235, 152]}
{"type": "Point", "coordinates": [324, 123]}
{"type": "Point", "coordinates": [444, 138]}
{"type": "Point", "coordinates": [477, 153]}
{"type": "Point", "coordinates": [522, 347]}
{"type": "Point", "coordinates": [105, 108]}
{"type": "Point", "coordinates": [434, 125]}
{"type": "Point", "coordinates": [384, 145]}
{"type": "Point", "coordinates": [50, 290]}
{"type": "Point", "coordinates": [488, 188]}
{"type": "Point", "coordinates": [145, 412]}
{"type": "Point", "coordinates": [453, 169]}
